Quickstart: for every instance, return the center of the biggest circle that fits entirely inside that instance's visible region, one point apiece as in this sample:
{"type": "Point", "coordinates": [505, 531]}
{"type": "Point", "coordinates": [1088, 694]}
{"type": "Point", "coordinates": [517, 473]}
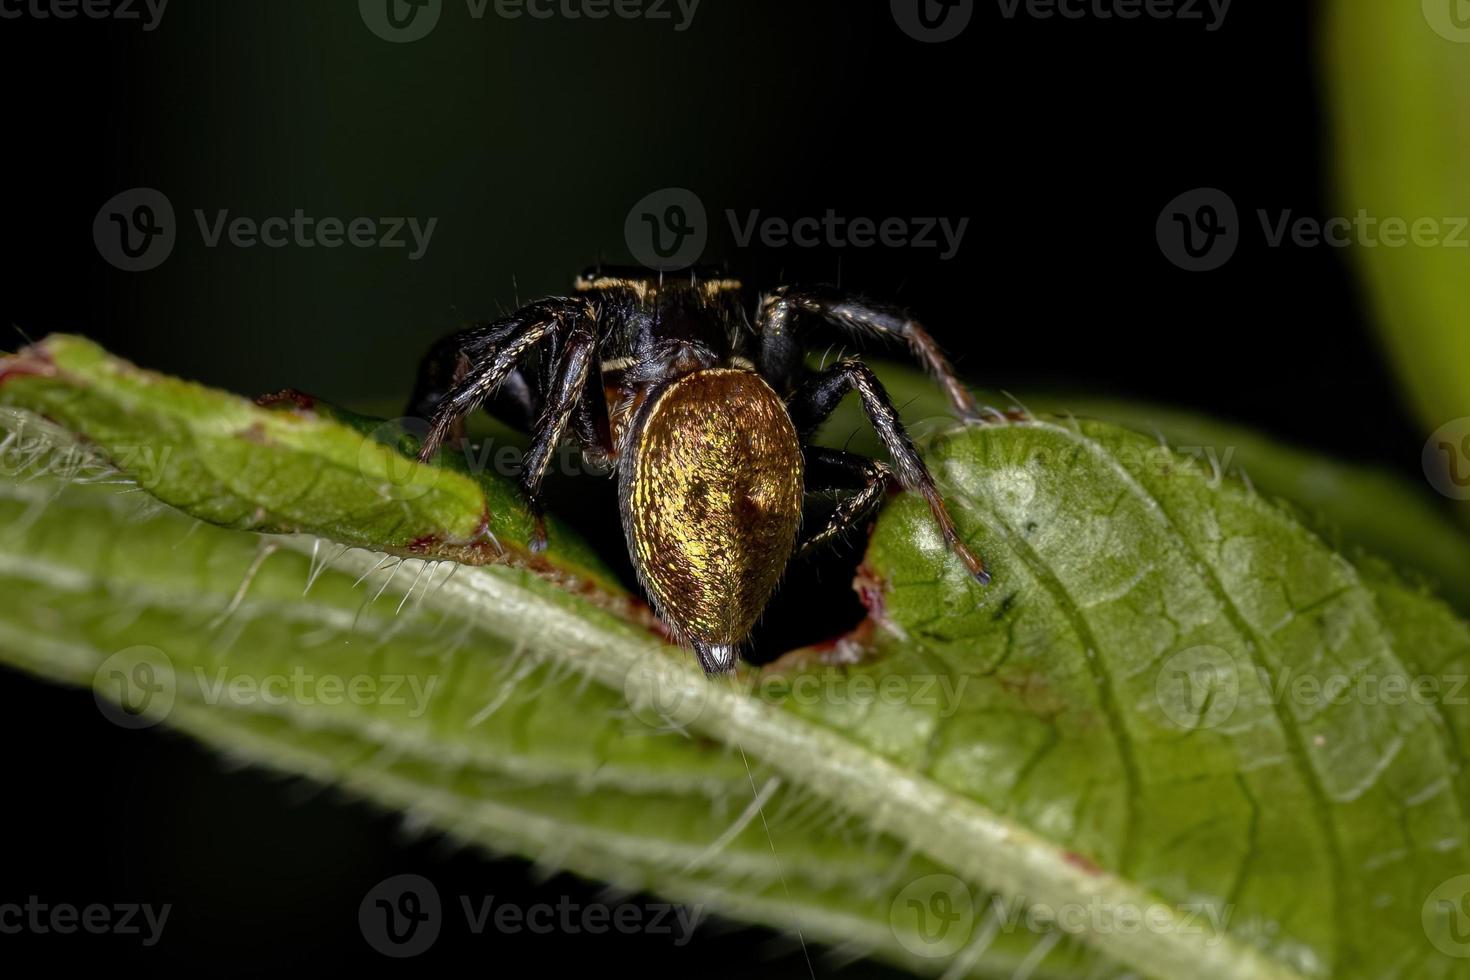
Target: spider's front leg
{"type": "Point", "coordinates": [816, 399]}
{"type": "Point", "coordinates": [473, 365]}
{"type": "Point", "coordinates": [784, 322]}
{"type": "Point", "coordinates": [447, 363]}
{"type": "Point", "coordinates": [484, 357]}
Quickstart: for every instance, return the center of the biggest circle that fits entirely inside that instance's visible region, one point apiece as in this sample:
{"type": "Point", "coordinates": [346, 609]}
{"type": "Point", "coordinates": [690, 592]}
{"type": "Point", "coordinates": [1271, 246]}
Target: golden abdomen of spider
{"type": "Point", "coordinates": [712, 502]}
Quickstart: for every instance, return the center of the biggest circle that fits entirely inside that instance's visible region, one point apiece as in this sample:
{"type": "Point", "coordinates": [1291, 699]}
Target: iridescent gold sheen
{"type": "Point", "coordinates": [715, 502]}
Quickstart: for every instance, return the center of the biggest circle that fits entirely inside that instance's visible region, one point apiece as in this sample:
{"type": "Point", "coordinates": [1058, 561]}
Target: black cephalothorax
{"type": "Point", "coordinates": [707, 417]}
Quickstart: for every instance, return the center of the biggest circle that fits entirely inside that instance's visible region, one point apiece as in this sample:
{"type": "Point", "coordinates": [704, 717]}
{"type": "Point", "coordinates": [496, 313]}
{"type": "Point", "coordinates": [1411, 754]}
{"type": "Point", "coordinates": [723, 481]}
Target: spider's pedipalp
{"type": "Point", "coordinates": [834, 469]}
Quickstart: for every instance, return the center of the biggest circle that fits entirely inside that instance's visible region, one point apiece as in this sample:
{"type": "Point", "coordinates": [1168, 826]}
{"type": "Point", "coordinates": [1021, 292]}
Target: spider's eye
{"type": "Point", "coordinates": [713, 502]}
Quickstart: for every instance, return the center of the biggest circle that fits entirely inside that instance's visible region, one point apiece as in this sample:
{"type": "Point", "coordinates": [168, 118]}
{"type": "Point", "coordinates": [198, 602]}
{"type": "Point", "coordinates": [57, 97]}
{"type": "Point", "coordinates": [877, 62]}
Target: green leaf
{"type": "Point", "coordinates": [296, 465]}
{"type": "Point", "coordinates": [1359, 508]}
{"type": "Point", "coordinates": [1399, 79]}
{"type": "Point", "coordinates": [1116, 731]}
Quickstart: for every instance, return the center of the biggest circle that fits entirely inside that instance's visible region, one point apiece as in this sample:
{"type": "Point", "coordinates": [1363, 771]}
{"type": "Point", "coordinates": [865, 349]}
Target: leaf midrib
{"type": "Point", "coordinates": [988, 848]}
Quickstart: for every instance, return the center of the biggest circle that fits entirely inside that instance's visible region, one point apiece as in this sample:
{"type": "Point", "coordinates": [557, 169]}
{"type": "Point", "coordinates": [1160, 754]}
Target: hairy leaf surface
{"type": "Point", "coordinates": [1174, 738]}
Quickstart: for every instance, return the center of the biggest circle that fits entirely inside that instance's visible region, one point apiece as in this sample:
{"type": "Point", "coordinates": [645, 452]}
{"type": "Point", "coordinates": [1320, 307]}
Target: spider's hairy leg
{"type": "Point", "coordinates": [816, 399]}
{"type": "Point", "coordinates": [517, 401]}
{"type": "Point", "coordinates": [490, 354]}
{"type": "Point", "coordinates": [566, 391]}
{"type": "Point", "coordinates": [833, 469]}
{"type": "Point", "coordinates": [782, 327]}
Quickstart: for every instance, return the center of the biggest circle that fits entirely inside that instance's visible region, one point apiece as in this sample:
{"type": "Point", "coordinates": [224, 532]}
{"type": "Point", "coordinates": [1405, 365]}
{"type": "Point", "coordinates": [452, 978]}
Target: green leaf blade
{"type": "Point", "coordinates": [294, 468]}
{"type": "Point", "coordinates": [1275, 805]}
{"type": "Point", "coordinates": [1038, 742]}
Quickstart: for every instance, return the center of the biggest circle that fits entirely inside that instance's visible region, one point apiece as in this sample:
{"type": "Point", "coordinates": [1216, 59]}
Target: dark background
{"type": "Point", "coordinates": [530, 140]}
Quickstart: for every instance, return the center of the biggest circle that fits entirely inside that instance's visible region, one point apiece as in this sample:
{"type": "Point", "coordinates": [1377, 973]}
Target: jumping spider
{"type": "Point", "coordinates": [706, 419]}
